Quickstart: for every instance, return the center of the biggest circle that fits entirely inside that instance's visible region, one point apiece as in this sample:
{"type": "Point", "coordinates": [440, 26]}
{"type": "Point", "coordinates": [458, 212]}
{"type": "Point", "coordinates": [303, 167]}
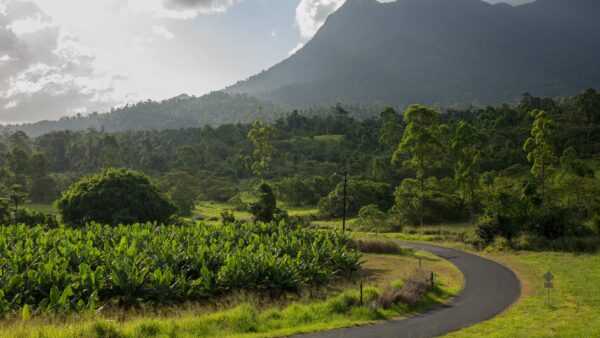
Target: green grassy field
{"type": "Point", "coordinates": [211, 211]}
{"type": "Point", "coordinates": [333, 309]}
{"type": "Point", "coordinates": [46, 208]}
{"type": "Point", "coordinates": [575, 307]}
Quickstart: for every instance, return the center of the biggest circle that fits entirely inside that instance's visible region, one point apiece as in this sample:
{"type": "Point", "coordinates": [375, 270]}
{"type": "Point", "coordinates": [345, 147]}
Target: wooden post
{"type": "Point", "coordinates": [361, 294]}
{"type": "Point", "coordinates": [432, 281]}
{"type": "Point", "coordinates": [344, 206]}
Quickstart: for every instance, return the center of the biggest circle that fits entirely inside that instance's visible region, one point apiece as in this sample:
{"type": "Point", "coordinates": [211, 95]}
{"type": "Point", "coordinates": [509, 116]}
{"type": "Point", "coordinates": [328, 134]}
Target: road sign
{"type": "Point", "coordinates": [549, 278]}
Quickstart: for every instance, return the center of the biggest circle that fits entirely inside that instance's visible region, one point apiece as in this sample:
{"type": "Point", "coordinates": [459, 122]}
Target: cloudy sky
{"type": "Point", "coordinates": [63, 57]}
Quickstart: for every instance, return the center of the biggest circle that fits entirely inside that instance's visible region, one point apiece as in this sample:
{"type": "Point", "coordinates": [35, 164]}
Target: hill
{"type": "Point", "coordinates": [439, 52]}
{"type": "Point", "coordinates": [179, 112]}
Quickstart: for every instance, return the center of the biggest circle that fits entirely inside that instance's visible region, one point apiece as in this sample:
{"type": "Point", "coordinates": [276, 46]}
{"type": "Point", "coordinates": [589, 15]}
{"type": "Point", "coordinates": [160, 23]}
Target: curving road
{"type": "Point", "coordinates": [489, 289]}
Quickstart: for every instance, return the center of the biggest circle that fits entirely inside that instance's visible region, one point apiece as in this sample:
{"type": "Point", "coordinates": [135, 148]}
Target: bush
{"type": "Point", "coordinates": [555, 222]}
{"type": "Point", "coordinates": [297, 191]}
{"type": "Point", "coordinates": [33, 217]}
{"type": "Point", "coordinates": [567, 244]}
{"type": "Point", "coordinates": [115, 196]}
{"type": "Point", "coordinates": [265, 208]}
{"type": "Point", "coordinates": [595, 226]}
{"type": "Point", "coordinates": [440, 203]}
{"type": "Point", "coordinates": [227, 217]}
{"type": "Point", "coordinates": [371, 218]}
{"type": "Point", "coordinates": [379, 246]}
{"type": "Point", "coordinates": [359, 194]}
{"type": "Point", "coordinates": [412, 292]}
{"type": "Point", "coordinates": [504, 215]}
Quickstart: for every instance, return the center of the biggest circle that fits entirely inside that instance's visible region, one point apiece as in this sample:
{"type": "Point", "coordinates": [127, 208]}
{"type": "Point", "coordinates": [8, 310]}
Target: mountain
{"type": "Point", "coordinates": [439, 52]}
{"type": "Point", "coordinates": [182, 111]}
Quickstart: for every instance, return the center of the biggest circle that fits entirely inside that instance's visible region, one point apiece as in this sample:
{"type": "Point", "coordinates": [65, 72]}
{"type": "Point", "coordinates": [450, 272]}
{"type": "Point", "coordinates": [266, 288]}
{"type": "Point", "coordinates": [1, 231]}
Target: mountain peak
{"type": "Point", "coordinates": [440, 52]}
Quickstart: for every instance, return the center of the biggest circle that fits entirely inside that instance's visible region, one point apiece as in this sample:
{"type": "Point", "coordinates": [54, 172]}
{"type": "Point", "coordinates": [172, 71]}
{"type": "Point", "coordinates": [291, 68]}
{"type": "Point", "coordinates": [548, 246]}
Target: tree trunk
{"type": "Point", "coordinates": [422, 186]}
{"type": "Point", "coordinates": [472, 192]}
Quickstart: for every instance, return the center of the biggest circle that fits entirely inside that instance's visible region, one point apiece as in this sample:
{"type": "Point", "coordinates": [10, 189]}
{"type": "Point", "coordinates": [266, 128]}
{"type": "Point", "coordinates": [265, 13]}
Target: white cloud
{"type": "Point", "coordinates": [311, 14]}
{"type": "Point", "coordinates": [44, 72]}
{"type": "Point", "coordinates": [180, 9]}
{"type": "Point", "coordinates": [297, 48]}
{"type": "Point", "coordinates": [202, 6]}
{"type": "Point", "coordinates": [163, 32]}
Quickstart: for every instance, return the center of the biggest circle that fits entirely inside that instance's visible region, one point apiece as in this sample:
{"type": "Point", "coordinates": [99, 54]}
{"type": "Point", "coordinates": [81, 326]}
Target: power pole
{"type": "Point", "coordinates": [344, 208]}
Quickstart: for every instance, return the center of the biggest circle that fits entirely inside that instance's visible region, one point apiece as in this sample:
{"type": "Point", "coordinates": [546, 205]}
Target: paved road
{"type": "Point", "coordinates": [489, 289]}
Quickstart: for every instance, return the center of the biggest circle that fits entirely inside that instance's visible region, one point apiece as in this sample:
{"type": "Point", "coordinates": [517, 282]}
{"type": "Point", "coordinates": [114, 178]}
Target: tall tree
{"type": "Point", "coordinates": [261, 135]}
{"type": "Point", "coordinates": [390, 133]}
{"type": "Point", "coordinates": [539, 148]}
{"type": "Point", "coordinates": [467, 144]}
{"type": "Point", "coordinates": [17, 196]}
{"type": "Point", "coordinates": [421, 142]}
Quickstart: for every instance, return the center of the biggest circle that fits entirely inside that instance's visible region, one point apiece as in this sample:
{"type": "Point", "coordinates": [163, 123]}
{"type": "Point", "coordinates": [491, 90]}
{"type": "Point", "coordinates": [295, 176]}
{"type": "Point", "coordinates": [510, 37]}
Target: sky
{"type": "Point", "coordinates": [66, 57]}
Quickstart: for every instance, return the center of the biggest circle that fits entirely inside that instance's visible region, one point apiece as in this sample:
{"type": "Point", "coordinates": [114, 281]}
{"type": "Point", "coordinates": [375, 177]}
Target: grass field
{"type": "Point", "coordinates": [575, 306]}
{"type": "Point", "coordinates": [45, 208]}
{"type": "Point", "coordinates": [332, 309]}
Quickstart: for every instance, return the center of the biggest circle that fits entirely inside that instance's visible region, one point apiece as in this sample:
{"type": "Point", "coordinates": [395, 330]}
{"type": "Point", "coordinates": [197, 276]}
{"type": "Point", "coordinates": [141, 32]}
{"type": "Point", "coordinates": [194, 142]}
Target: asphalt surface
{"type": "Point", "coordinates": [489, 289]}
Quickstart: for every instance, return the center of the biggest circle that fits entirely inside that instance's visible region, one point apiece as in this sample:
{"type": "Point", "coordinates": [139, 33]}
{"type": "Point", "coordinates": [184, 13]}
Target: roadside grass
{"type": "Point", "coordinates": [440, 229]}
{"type": "Point", "coordinates": [335, 307]}
{"type": "Point", "coordinates": [575, 299]}
{"type": "Point", "coordinates": [335, 224]}
{"type": "Point", "coordinates": [45, 208]}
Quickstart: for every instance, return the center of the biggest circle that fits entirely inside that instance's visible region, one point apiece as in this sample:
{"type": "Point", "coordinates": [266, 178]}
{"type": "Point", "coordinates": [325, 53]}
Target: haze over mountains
{"type": "Point", "coordinates": [435, 52]}
{"type": "Point", "coordinates": [440, 52]}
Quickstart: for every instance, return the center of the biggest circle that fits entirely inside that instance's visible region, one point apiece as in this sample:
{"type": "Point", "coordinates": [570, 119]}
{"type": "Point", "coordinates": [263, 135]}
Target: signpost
{"type": "Point", "coordinates": [549, 284]}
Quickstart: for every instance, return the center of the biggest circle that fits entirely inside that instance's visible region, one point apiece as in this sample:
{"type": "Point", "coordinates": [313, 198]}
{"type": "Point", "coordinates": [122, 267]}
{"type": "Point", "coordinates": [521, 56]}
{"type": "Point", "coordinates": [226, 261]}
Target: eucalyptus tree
{"type": "Point", "coordinates": [467, 144]}
{"type": "Point", "coordinates": [421, 141]}
{"type": "Point", "coordinates": [539, 147]}
{"type": "Point", "coordinates": [261, 136]}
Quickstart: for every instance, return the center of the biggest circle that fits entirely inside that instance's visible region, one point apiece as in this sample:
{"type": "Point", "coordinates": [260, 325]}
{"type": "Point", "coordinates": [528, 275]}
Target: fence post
{"type": "Point", "coordinates": [361, 294]}
{"type": "Point", "coordinates": [432, 281]}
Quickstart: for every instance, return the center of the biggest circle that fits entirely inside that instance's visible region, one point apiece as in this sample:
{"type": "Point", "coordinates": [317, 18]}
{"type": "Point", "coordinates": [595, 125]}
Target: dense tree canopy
{"type": "Point", "coordinates": [115, 197]}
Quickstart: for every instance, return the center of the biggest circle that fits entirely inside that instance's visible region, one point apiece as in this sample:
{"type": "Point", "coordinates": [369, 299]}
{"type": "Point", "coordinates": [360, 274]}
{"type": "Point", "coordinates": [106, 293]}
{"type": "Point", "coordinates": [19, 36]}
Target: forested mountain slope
{"type": "Point", "coordinates": [183, 111]}
{"type": "Point", "coordinates": [440, 52]}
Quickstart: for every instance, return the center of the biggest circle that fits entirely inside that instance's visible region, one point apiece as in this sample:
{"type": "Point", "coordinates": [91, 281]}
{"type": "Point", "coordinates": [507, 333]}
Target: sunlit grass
{"type": "Point", "coordinates": [575, 304]}
{"type": "Point", "coordinates": [45, 208]}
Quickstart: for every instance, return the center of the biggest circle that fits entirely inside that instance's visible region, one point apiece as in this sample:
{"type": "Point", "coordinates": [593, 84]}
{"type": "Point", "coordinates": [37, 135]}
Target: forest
{"type": "Point", "coordinates": [421, 167]}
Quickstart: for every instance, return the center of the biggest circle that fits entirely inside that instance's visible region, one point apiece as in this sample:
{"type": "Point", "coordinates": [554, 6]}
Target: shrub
{"type": "Point", "coordinates": [440, 202]}
{"type": "Point", "coordinates": [411, 292]}
{"type": "Point", "coordinates": [33, 217]}
{"type": "Point", "coordinates": [567, 244]}
{"type": "Point", "coordinates": [359, 193]}
{"type": "Point", "coordinates": [504, 215]}
{"type": "Point", "coordinates": [227, 217]}
{"type": "Point", "coordinates": [595, 226]}
{"type": "Point", "coordinates": [265, 208]}
{"type": "Point", "coordinates": [555, 222]}
{"type": "Point", "coordinates": [370, 217]}
{"type": "Point", "coordinates": [115, 196]}
{"type": "Point", "coordinates": [298, 191]}
{"type": "Point", "coordinates": [380, 246]}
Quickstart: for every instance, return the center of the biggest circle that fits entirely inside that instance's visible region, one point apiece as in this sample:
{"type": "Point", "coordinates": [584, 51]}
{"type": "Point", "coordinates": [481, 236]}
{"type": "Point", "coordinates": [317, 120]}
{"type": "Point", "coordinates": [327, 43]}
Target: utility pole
{"type": "Point", "coordinates": [344, 208]}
